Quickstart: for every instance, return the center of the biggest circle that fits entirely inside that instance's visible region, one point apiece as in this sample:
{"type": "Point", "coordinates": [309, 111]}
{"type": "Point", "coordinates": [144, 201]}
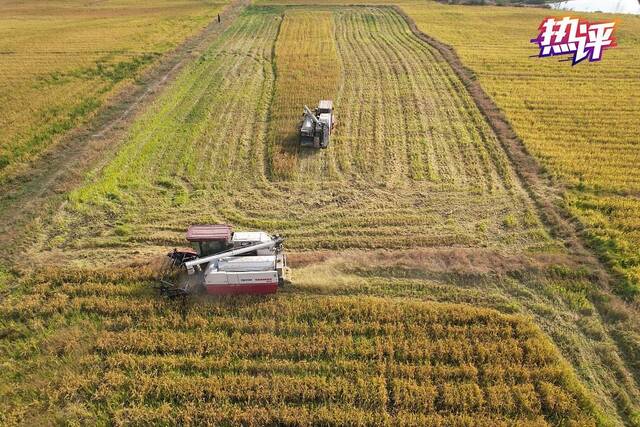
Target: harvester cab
{"type": "Point", "coordinates": [226, 262]}
{"type": "Point", "coordinates": [316, 127]}
{"type": "Point", "coordinates": [209, 239]}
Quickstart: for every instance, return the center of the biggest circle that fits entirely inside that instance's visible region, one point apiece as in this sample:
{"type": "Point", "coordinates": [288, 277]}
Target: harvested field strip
{"type": "Point", "coordinates": [178, 138]}
{"type": "Point", "coordinates": [298, 356]}
{"type": "Point", "coordinates": [346, 218]}
{"type": "Point", "coordinates": [390, 125]}
{"type": "Point", "coordinates": [204, 153]}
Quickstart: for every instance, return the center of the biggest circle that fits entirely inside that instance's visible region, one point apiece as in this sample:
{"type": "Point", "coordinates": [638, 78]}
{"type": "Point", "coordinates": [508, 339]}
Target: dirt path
{"type": "Point", "coordinates": [33, 194]}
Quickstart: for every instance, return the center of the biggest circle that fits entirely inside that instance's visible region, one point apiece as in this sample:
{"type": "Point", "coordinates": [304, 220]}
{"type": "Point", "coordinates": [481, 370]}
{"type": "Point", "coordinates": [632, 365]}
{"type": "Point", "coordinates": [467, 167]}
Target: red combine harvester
{"type": "Point", "coordinates": [224, 262]}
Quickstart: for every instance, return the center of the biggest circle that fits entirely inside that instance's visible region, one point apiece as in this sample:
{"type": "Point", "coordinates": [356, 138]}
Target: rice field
{"type": "Point", "coordinates": [426, 290]}
{"type": "Point", "coordinates": [420, 169]}
{"type": "Point", "coordinates": [581, 122]}
{"type": "Point", "coordinates": [83, 353]}
{"type": "Point", "coordinates": [304, 38]}
{"type": "Point", "coordinates": [60, 61]}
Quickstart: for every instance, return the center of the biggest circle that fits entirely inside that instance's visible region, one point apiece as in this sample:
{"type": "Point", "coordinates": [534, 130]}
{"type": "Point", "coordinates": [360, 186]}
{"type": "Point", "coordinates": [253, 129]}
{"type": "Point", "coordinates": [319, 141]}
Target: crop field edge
{"type": "Point", "coordinates": [89, 143]}
{"type": "Point", "coordinates": [538, 185]}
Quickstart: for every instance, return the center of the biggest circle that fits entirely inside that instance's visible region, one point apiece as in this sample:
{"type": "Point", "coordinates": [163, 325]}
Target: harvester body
{"type": "Point", "coordinates": [228, 262]}
{"type": "Point", "coordinates": [316, 127]}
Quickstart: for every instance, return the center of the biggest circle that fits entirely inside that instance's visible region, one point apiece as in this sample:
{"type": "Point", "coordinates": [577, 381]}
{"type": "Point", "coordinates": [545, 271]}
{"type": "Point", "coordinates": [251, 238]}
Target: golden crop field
{"type": "Point", "coordinates": [581, 122]}
{"type": "Point", "coordinates": [60, 60]}
{"type": "Point", "coordinates": [304, 38]}
{"type": "Point", "coordinates": [299, 359]}
{"type": "Point", "coordinates": [426, 289]}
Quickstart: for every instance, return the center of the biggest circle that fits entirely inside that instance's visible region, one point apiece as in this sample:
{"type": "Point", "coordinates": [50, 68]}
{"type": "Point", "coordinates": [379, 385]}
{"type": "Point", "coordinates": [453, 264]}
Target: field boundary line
{"type": "Point", "coordinates": [546, 196]}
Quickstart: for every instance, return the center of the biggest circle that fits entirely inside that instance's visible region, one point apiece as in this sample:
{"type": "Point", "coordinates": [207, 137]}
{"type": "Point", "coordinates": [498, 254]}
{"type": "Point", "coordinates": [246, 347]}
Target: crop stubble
{"type": "Point", "coordinates": [411, 163]}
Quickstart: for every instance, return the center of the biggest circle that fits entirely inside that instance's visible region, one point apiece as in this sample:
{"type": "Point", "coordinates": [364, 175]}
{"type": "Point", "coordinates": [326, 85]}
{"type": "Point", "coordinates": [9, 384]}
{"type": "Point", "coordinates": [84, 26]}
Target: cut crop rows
{"type": "Point", "coordinates": [412, 163]}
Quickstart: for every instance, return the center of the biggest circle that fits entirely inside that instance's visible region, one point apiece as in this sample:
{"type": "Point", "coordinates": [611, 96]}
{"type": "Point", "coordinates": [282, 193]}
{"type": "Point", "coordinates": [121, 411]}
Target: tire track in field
{"type": "Point", "coordinates": [386, 43]}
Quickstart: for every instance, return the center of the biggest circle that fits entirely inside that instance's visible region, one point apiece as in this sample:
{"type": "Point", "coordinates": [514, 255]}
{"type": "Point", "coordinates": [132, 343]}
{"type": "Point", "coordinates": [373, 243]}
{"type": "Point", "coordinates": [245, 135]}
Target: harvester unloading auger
{"type": "Point", "coordinates": [316, 127]}
{"type": "Point", "coordinates": [224, 262]}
